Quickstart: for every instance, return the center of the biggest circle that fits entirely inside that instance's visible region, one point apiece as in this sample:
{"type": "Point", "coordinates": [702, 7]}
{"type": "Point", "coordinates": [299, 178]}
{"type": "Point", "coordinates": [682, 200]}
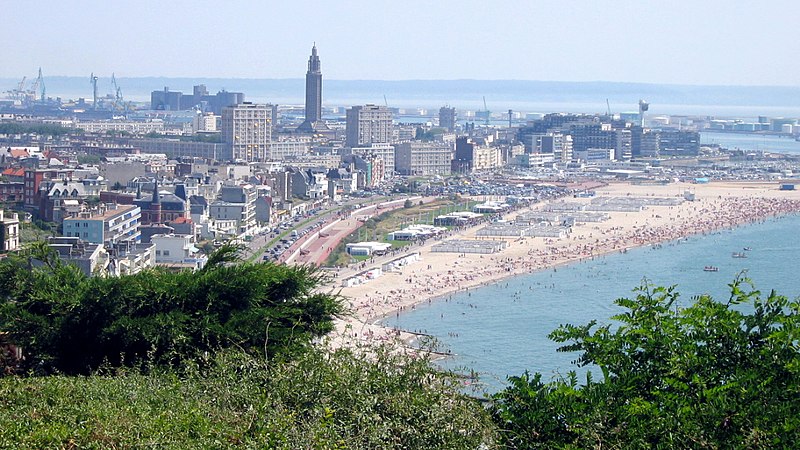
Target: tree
{"type": "Point", "coordinates": [708, 375]}
{"type": "Point", "coordinates": [68, 322]}
{"type": "Point", "coordinates": [89, 159]}
{"type": "Point", "coordinates": [408, 203]}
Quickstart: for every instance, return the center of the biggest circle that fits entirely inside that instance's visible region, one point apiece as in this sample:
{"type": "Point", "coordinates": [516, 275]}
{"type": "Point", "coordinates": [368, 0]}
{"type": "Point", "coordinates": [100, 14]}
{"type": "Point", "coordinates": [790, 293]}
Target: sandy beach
{"type": "Point", "coordinates": [716, 206]}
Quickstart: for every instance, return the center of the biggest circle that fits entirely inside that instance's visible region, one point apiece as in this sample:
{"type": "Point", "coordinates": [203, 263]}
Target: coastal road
{"type": "Point", "coordinates": [316, 246]}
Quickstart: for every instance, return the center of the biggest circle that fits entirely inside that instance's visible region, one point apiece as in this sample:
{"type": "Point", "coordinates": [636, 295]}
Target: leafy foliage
{"type": "Point", "coordinates": [34, 128]}
{"type": "Point", "coordinates": [710, 375]}
{"type": "Point", "coordinates": [68, 322]}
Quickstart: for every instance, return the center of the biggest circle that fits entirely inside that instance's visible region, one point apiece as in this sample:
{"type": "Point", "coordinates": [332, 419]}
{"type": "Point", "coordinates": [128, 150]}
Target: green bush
{"type": "Point", "coordinates": [71, 323]}
{"type": "Point", "coordinates": [709, 375]}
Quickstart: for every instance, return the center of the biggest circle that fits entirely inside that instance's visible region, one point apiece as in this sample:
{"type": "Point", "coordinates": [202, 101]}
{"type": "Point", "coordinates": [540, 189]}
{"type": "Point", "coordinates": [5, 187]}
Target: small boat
{"type": "Point", "coordinates": [739, 255]}
{"type": "Point", "coordinates": [747, 249]}
{"type": "Point", "coordinates": [711, 269]}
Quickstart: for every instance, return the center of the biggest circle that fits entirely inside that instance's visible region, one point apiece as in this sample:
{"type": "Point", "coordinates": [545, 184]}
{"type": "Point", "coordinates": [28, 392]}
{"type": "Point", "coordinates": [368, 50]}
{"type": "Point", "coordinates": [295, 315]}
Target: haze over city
{"type": "Point", "coordinates": [708, 43]}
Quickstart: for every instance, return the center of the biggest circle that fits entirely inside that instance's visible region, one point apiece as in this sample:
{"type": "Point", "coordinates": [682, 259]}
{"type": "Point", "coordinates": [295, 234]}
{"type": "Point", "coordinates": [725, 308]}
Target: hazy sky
{"type": "Point", "coordinates": [732, 42]}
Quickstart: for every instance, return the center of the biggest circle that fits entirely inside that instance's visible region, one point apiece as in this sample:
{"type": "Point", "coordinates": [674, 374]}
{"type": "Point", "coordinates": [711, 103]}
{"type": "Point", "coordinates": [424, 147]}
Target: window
{"type": "Point", "coordinates": [158, 252]}
{"type": "Point", "coordinates": [166, 252]}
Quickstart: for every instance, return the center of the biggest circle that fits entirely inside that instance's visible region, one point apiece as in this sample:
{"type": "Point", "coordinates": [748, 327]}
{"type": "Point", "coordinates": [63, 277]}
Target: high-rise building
{"type": "Point", "coordinates": [368, 124]}
{"type": "Point", "coordinates": [313, 120]}
{"type": "Point", "coordinates": [624, 148]}
{"type": "Point", "coordinates": [447, 118]}
{"type": "Point", "coordinates": [247, 131]}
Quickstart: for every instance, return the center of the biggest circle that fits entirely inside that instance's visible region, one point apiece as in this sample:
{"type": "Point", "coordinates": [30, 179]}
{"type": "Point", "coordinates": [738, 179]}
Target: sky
{"type": "Point", "coordinates": [706, 42]}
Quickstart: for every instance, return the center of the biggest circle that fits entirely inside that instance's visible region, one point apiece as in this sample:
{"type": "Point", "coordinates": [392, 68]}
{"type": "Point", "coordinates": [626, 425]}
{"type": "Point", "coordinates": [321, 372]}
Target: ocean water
{"type": "Point", "coordinates": [501, 329]}
{"type": "Point", "coordinates": [751, 142]}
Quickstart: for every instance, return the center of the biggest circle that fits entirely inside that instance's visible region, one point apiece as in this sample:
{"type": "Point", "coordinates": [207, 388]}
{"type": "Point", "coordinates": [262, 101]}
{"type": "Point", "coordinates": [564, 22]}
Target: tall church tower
{"type": "Point", "coordinates": [313, 120]}
{"type": "Point", "coordinates": [155, 206]}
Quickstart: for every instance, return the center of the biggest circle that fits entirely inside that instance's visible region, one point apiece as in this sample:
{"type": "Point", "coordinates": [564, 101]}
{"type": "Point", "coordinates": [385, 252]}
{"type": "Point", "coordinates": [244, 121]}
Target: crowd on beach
{"type": "Point", "coordinates": [395, 293]}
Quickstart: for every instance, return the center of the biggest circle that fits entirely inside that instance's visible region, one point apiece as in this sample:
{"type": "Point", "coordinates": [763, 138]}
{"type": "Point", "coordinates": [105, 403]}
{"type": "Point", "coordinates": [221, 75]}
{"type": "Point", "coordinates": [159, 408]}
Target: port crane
{"type": "Point", "coordinates": [33, 92]}
{"type": "Point", "coordinates": [119, 103]}
{"type": "Point", "coordinates": [18, 93]}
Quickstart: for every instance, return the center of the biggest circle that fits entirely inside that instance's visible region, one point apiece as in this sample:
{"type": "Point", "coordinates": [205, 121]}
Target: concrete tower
{"type": "Point", "coordinates": [313, 120]}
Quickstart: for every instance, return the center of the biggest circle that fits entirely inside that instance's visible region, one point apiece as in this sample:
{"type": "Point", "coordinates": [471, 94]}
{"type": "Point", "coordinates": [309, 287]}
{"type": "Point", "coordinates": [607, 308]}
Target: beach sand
{"type": "Point", "coordinates": [717, 205]}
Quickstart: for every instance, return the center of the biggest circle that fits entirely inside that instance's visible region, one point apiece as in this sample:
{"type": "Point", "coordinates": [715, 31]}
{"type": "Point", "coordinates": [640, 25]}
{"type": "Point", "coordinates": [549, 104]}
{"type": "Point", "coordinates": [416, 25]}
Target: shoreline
{"type": "Point", "coordinates": [437, 275]}
{"type": "Point", "coordinates": [411, 336]}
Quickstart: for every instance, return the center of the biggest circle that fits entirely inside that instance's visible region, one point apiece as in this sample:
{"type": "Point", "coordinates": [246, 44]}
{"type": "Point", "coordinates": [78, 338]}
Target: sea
{"type": "Point", "coordinates": [501, 330]}
{"type": "Point", "coordinates": [751, 142]}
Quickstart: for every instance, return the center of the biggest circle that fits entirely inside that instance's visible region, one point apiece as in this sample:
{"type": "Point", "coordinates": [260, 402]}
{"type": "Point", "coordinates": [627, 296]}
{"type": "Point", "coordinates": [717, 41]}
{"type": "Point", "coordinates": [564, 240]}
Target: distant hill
{"type": "Point", "coordinates": [463, 94]}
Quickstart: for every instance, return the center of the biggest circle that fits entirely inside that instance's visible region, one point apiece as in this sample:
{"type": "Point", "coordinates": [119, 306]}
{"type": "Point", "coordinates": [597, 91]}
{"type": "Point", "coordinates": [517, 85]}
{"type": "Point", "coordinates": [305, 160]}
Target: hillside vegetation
{"type": "Point", "coordinates": [233, 356]}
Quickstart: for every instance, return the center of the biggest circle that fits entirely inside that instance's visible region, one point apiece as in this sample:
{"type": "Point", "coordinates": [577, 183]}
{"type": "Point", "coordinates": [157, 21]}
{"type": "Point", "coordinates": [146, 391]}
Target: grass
{"type": "Point", "coordinates": [322, 400]}
{"type": "Point", "coordinates": [377, 227]}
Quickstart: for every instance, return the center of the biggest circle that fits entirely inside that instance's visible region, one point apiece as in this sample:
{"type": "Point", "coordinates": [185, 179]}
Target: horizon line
{"type": "Point", "coordinates": [495, 80]}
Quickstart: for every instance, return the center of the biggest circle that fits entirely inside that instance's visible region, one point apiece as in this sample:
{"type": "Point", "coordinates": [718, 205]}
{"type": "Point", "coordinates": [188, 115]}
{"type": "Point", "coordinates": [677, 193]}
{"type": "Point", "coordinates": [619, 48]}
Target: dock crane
{"type": "Point", "coordinates": [33, 92]}
{"type": "Point", "coordinates": [117, 90]}
{"type": "Point", "coordinates": [21, 85]}
{"type": "Point", "coordinates": [19, 92]}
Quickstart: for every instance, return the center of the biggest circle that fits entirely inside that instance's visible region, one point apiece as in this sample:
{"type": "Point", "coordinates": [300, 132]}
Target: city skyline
{"type": "Point", "coordinates": [713, 43]}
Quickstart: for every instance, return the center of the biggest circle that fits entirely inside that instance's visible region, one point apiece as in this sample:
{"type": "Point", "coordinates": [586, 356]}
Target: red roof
{"type": "Point", "coordinates": [11, 172]}
{"type": "Point", "coordinates": [182, 220]}
{"type": "Point", "coordinates": [19, 153]}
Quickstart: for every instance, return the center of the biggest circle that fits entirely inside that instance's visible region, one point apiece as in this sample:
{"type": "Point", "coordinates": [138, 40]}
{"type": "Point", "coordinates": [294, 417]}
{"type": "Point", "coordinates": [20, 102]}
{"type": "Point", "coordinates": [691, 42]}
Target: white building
{"type": "Point", "coordinates": [177, 251]}
{"type": "Point", "coordinates": [368, 248]}
{"type": "Point", "coordinates": [9, 230]}
{"type": "Point", "coordinates": [423, 158]}
{"type": "Point", "coordinates": [289, 149]}
{"type": "Point", "coordinates": [236, 203]}
{"type": "Point", "coordinates": [485, 158]}
{"type": "Point", "coordinates": [129, 259]}
{"type": "Point", "coordinates": [591, 155]}
{"type": "Point", "coordinates": [127, 126]}
{"type": "Point", "coordinates": [205, 122]}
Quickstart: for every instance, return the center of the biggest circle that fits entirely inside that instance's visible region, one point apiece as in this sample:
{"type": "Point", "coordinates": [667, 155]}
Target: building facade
{"type": "Point", "coordinates": [447, 118]}
{"type": "Point", "coordinates": [423, 158]}
{"type": "Point", "coordinates": [117, 223]}
{"type": "Point", "coordinates": [236, 203]}
{"type": "Point", "coordinates": [381, 152]}
{"type": "Point", "coordinates": [368, 124]}
{"type": "Point", "coordinates": [9, 230]}
{"type": "Point", "coordinates": [247, 131]}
